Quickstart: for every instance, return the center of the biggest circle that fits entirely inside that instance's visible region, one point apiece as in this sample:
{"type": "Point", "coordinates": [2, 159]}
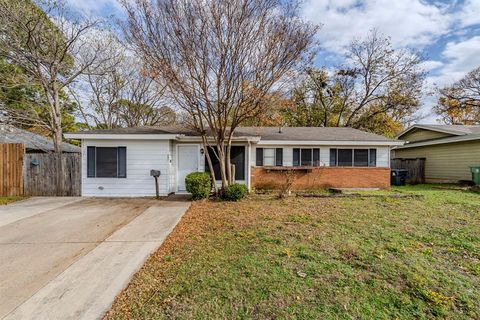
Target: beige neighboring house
{"type": "Point", "coordinates": [449, 150]}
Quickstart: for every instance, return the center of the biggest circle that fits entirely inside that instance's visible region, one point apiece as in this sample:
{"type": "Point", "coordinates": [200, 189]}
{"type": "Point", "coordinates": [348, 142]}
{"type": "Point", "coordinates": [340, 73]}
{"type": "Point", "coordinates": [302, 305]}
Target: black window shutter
{"type": "Point", "coordinates": [279, 157]}
{"type": "Point", "coordinates": [296, 157]}
{"type": "Point", "coordinates": [372, 162]}
{"type": "Point", "coordinates": [316, 157]}
{"type": "Point", "coordinates": [122, 162]}
{"type": "Point", "coordinates": [333, 157]}
{"type": "Point", "coordinates": [259, 157]}
{"type": "Point", "coordinates": [91, 162]}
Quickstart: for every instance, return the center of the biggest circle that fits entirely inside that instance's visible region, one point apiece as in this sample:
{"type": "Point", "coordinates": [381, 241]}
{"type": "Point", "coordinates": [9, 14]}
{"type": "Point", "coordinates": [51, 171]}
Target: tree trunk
{"type": "Point", "coordinates": [221, 161]}
{"type": "Point", "coordinates": [209, 162]}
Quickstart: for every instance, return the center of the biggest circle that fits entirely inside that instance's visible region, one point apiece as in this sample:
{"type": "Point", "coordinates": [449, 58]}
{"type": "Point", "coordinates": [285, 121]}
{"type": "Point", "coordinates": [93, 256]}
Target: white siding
{"type": "Point", "coordinates": [142, 156]}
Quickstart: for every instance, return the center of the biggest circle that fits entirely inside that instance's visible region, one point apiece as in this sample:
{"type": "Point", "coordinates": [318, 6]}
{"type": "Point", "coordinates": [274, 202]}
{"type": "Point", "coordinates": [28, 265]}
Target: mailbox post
{"type": "Point", "coordinates": [156, 174]}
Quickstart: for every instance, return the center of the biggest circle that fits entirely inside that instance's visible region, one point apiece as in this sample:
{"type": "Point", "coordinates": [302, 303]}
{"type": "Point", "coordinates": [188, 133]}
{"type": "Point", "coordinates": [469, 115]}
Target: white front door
{"type": "Point", "coordinates": [187, 163]}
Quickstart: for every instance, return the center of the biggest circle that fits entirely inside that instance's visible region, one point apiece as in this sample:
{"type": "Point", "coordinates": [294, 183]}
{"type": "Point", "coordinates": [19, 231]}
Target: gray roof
{"type": "Point", "coordinates": [458, 133]}
{"type": "Point", "coordinates": [143, 130]}
{"type": "Point", "coordinates": [265, 133]}
{"type": "Point", "coordinates": [32, 141]}
{"type": "Point", "coordinates": [447, 128]}
{"type": "Point", "coordinates": [310, 134]}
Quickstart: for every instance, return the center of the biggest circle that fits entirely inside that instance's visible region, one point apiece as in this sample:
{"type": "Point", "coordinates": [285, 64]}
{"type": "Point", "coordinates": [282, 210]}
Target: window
{"type": "Point", "coordinates": [237, 158]}
{"type": "Point", "coordinates": [344, 157]}
{"type": "Point", "coordinates": [269, 157]}
{"type": "Point", "coordinates": [106, 162]}
{"type": "Point", "coordinates": [353, 157]}
{"type": "Point", "coordinates": [306, 157]}
{"type": "Point", "coordinates": [360, 157]}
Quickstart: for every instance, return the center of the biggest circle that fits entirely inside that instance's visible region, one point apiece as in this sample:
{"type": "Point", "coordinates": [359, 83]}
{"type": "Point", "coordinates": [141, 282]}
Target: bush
{"type": "Point", "coordinates": [235, 192]}
{"type": "Point", "coordinates": [199, 184]}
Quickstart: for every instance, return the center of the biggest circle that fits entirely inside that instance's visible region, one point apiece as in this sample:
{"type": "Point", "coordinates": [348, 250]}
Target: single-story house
{"type": "Point", "coordinates": [34, 143]}
{"type": "Point", "coordinates": [449, 150]}
{"type": "Point", "coordinates": [117, 162]}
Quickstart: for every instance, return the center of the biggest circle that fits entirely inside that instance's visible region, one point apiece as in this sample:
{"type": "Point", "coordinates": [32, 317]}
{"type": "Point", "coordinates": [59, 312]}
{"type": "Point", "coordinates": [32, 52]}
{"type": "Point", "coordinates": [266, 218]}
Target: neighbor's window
{"type": "Point", "coordinates": [269, 157]}
{"type": "Point", "coordinates": [353, 157]}
{"type": "Point", "coordinates": [106, 162]}
{"type": "Point", "coordinates": [306, 157]}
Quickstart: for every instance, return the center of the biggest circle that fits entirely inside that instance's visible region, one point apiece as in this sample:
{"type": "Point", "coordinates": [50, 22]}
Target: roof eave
{"type": "Point", "coordinates": [462, 138]}
{"type": "Point", "coordinates": [332, 142]}
{"type": "Point", "coordinates": [427, 127]}
{"type": "Point", "coordinates": [121, 136]}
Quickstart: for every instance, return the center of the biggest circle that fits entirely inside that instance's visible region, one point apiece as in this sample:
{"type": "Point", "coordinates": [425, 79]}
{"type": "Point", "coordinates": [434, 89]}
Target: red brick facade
{"type": "Point", "coordinates": [324, 177]}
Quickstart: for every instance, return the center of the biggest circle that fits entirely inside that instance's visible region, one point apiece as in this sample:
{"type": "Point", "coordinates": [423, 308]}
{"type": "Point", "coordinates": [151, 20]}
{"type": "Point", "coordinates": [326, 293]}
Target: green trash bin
{"type": "Point", "coordinates": [475, 175]}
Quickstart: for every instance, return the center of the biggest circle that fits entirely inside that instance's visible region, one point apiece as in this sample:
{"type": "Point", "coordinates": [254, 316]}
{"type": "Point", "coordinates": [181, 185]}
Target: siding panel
{"type": "Point", "coordinates": [142, 156]}
{"type": "Point", "coordinates": [446, 162]}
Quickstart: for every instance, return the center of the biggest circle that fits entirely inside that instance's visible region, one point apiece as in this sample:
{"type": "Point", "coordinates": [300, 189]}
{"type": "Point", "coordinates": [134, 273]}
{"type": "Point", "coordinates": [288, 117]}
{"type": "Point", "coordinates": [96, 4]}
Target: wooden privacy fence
{"type": "Point", "coordinates": [415, 167]}
{"type": "Point", "coordinates": [51, 174]}
{"type": "Point", "coordinates": [11, 167]}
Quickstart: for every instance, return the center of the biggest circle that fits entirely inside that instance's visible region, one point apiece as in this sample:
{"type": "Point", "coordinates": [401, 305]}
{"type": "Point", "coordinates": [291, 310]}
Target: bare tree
{"type": "Point", "coordinates": [122, 94]}
{"type": "Point", "coordinates": [377, 88]}
{"type": "Point", "coordinates": [53, 45]}
{"type": "Point", "coordinates": [460, 102]}
{"type": "Point", "coordinates": [219, 59]}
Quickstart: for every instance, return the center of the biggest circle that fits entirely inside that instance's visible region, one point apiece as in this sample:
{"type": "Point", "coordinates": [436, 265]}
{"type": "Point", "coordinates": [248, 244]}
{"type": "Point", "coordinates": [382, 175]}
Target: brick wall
{"type": "Point", "coordinates": [325, 177]}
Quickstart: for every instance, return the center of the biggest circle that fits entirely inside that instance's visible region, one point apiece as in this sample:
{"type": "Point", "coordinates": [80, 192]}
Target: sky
{"type": "Point", "coordinates": [447, 33]}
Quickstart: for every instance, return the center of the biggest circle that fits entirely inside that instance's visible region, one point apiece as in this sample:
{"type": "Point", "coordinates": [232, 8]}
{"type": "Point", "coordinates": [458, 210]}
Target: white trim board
{"type": "Point", "coordinates": [121, 136]}
{"type": "Point", "coordinates": [329, 143]}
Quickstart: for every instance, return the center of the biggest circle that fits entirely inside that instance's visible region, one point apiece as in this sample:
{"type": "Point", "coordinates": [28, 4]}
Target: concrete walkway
{"type": "Point", "coordinates": [83, 268]}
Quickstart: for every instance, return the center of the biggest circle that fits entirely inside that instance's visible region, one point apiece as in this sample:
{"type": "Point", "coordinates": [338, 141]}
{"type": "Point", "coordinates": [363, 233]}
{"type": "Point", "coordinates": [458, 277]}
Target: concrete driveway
{"type": "Point", "coordinates": [67, 258]}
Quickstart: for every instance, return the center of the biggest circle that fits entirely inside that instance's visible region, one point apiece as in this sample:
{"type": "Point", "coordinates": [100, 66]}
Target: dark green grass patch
{"type": "Point", "coordinates": [10, 199]}
{"type": "Point", "coordinates": [297, 258]}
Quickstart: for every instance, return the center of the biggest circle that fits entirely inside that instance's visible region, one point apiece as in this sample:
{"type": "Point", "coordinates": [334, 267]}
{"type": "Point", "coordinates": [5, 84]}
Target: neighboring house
{"type": "Point", "coordinates": [34, 143]}
{"type": "Point", "coordinates": [449, 150]}
{"type": "Point", "coordinates": [117, 162]}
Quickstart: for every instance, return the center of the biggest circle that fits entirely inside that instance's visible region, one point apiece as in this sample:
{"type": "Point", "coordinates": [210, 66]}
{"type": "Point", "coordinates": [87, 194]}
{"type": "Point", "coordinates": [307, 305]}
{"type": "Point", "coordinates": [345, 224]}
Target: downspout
{"type": "Point", "coordinates": [249, 167]}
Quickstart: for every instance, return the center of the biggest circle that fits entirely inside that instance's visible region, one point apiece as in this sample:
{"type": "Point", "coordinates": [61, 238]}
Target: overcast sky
{"type": "Point", "coordinates": [447, 32]}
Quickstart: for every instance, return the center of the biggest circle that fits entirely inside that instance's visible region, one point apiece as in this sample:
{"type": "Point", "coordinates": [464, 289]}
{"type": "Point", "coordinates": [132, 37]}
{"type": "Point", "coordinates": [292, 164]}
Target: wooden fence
{"type": "Point", "coordinates": [50, 174]}
{"type": "Point", "coordinates": [415, 167]}
{"type": "Point", "coordinates": [11, 168]}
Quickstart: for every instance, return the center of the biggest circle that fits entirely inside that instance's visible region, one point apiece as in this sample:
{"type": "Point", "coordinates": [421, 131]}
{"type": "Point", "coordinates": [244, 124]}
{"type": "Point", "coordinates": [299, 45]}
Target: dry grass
{"type": "Point", "coordinates": [343, 258]}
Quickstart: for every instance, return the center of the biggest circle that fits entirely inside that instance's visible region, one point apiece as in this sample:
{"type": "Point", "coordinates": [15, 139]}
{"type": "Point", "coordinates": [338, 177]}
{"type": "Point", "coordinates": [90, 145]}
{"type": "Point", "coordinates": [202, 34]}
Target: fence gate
{"type": "Point", "coordinates": [11, 169]}
{"type": "Point", "coordinates": [51, 174]}
{"type": "Point", "coordinates": [415, 167]}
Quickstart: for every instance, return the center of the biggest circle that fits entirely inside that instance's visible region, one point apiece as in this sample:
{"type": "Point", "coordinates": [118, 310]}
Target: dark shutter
{"type": "Point", "coordinates": [345, 157]}
{"type": "Point", "coordinates": [259, 157]}
{"type": "Point", "coordinates": [333, 157]}
{"type": "Point", "coordinates": [122, 162]}
{"type": "Point", "coordinates": [316, 157]}
{"type": "Point", "coordinates": [372, 162]}
{"type": "Point", "coordinates": [360, 157]}
{"type": "Point", "coordinates": [279, 157]}
{"type": "Point", "coordinates": [296, 157]}
{"type": "Point", "coordinates": [91, 162]}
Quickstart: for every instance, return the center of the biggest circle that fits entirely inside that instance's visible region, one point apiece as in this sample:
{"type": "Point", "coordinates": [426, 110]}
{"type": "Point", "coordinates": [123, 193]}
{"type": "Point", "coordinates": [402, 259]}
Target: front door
{"type": "Point", "coordinates": [187, 163]}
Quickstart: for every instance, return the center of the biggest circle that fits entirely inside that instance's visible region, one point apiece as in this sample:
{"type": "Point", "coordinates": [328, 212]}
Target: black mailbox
{"type": "Point", "coordinates": [155, 173]}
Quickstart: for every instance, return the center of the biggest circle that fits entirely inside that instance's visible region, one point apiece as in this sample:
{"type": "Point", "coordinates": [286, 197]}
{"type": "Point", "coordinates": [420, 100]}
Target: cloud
{"type": "Point", "coordinates": [461, 57]}
{"type": "Point", "coordinates": [409, 22]}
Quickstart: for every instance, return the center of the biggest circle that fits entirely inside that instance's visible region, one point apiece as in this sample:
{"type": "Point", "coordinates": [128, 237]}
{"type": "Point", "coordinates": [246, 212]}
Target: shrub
{"type": "Point", "coordinates": [235, 192]}
{"type": "Point", "coordinates": [199, 184]}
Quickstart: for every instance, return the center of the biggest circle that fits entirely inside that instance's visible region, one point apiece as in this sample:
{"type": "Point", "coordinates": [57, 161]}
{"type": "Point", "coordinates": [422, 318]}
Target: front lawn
{"type": "Point", "coordinates": [345, 258]}
{"type": "Point", "coordinates": [9, 199]}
